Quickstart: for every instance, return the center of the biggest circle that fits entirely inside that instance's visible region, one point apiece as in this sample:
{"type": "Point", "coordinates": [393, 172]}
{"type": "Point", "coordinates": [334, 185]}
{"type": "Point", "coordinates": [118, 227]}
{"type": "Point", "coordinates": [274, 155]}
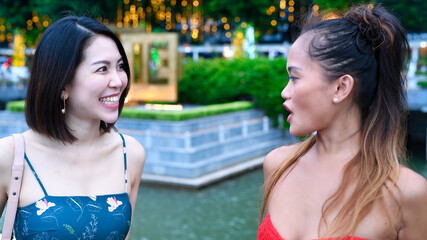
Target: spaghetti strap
{"type": "Point", "coordinates": [35, 174]}
{"type": "Point", "coordinates": [125, 162]}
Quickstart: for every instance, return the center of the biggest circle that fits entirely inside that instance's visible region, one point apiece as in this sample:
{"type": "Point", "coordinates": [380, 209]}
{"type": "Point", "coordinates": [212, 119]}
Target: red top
{"type": "Point", "coordinates": [267, 231]}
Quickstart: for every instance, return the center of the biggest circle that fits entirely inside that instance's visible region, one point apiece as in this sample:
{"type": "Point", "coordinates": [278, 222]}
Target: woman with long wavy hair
{"type": "Point", "coordinates": [347, 180]}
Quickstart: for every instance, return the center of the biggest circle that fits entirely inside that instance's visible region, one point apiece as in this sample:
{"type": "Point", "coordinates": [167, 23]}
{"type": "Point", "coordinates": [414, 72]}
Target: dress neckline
{"type": "Point", "coordinates": [269, 224]}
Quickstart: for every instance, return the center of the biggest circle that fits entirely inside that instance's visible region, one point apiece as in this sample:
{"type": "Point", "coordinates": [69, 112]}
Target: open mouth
{"type": "Point", "coordinates": [110, 100]}
{"type": "Point", "coordinates": [287, 108]}
{"type": "Point", "coordinates": [290, 113]}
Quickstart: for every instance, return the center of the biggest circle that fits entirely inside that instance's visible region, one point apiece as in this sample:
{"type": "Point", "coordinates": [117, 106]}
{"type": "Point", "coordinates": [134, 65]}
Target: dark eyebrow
{"type": "Point", "coordinates": [101, 62]}
{"type": "Point", "coordinates": [290, 68]}
{"type": "Point", "coordinates": [106, 62]}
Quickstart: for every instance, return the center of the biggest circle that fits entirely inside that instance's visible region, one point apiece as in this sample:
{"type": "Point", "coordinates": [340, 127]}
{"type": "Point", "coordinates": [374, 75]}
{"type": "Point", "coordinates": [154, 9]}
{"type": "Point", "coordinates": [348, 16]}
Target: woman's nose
{"type": "Point", "coordinates": [286, 92]}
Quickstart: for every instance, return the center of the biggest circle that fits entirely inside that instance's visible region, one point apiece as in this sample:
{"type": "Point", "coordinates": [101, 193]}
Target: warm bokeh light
{"type": "Point", "coordinates": [282, 4]}
{"type": "Point", "coordinates": [194, 35]}
{"type": "Point", "coordinates": [316, 7]}
{"type": "Point", "coordinates": [137, 48]}
{"type": "Point", "coordinates": [9, 37]}
{"type": "Point", "coordinates": [184, 16]}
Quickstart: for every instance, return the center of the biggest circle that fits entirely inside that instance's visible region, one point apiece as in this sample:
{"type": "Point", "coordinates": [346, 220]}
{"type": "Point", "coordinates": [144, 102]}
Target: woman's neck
{"type": "Point", "coordinates": [342, 138]}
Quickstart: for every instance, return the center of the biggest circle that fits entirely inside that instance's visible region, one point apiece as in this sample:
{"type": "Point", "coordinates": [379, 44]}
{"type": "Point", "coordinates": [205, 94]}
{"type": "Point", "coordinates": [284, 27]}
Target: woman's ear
{"type": "Point", "coordinates": [64, 94]}
{"type": "Point", "coordinates": [343, 88]}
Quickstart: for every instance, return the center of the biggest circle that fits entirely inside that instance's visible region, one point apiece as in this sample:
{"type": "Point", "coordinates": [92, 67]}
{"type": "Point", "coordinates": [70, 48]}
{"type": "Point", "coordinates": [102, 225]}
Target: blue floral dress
{"type": "Point", "coordinates": [75, 217]}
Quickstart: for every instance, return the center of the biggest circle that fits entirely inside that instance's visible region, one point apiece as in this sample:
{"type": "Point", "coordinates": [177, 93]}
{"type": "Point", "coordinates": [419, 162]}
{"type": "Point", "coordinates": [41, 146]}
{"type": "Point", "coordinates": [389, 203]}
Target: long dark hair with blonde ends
{"type": "Point", "coordinates": [369, 44]}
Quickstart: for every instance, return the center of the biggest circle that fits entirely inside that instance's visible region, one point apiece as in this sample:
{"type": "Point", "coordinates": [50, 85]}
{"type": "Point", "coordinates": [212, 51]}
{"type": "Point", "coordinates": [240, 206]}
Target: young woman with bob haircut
{"type": "Point", "coordinates": [347, 84]}
{"type": "Point", "coordinates": [80, 178]}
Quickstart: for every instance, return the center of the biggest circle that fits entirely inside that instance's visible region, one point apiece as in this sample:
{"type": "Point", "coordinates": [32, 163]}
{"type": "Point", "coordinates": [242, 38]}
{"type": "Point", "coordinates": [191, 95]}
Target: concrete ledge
{"type": "Point", "coordinates": [207, 179]}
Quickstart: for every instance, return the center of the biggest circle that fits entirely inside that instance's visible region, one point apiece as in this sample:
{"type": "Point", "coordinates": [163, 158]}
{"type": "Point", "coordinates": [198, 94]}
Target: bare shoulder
{"type": "Point", "coordinates": [413, 188]}
{"type": "Point", "coordinates": [412, 185]}
{"type": "Point", "coordinates": [274, 158]}
{"type": "Point", "coordinates": [135, 151]}
{"type": "Point", "coordinates": [7, 146]}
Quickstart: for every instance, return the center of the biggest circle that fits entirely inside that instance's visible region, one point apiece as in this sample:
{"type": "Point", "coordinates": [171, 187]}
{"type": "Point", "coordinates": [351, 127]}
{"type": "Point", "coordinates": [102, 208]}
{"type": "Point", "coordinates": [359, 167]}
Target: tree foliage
{"type": "Point", "coordinates": [410, 12]}
{"type": "Point", "coordinates": [15, 14]}
{"type": "Point", "coordinates": [249, 10]}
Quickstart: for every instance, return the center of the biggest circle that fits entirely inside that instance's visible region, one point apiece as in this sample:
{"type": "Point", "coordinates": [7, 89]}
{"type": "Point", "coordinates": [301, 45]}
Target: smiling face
{"type": "Point", "coordinates": [99, 80]}
{"type": "Point", "coordinates": [308, 94]}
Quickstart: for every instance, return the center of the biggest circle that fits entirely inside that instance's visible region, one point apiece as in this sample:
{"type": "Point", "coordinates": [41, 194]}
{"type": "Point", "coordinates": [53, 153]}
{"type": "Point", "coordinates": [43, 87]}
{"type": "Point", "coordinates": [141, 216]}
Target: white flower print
{"type": "Point", "coordinates": [113, 203]}
{"type": "Point", "coordinates": [43, 205]}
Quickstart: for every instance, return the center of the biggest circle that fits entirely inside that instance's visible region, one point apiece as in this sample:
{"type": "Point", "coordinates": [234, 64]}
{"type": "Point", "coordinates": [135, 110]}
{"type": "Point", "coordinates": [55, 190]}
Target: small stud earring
{"type": "Point", "coordinates": [63, 110]}
{"type": "Point", "coordinates": [335, 100]}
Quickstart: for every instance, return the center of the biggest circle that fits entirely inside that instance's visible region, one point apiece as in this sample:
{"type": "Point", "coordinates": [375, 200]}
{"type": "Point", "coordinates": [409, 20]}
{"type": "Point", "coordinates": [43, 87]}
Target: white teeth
{"type": "Point", "coordinates": [110, 100]}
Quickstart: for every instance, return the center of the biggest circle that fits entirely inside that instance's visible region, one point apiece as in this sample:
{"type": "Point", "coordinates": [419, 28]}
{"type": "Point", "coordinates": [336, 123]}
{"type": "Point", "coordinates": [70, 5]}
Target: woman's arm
{"type": "Point", "coordinates": [7, 146]}
{"type": "Point", "coordinates": [414, 205]}
{"type": "Point", "coordinates": [136, 160]}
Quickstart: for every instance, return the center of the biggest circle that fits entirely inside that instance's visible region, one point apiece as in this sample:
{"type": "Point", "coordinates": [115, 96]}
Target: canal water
{"type": "Point", "coordinates": [227, 210]}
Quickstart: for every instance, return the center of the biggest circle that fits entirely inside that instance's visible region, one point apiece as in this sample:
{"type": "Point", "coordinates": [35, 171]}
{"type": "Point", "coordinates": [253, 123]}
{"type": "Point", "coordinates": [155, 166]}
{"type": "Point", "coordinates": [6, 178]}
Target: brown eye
{"type": "Point", "coordinates": [292, 78]}
{"type": "Point", "coordinates": [102, 69]}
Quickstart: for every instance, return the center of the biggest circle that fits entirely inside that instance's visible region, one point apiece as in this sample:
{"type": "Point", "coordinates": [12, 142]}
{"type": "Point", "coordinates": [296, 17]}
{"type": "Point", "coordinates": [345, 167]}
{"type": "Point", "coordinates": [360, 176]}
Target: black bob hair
{"type": "Point", "coordinates": [57, 56]}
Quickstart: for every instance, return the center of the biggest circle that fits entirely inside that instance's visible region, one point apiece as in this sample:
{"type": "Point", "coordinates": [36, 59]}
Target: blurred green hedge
{"type": "Point", "coordinates": [16, 106]}
{"type": "Point", "coordinates": [222, 80]}
{"type": "Point", "coordinates": [422, 83]}
{"type": "Point", "coordinates": [196, 112]}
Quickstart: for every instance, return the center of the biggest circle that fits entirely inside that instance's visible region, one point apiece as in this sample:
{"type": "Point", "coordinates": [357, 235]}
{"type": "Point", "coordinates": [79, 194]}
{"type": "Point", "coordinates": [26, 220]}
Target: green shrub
{"type": "Point", "coordinates": [204, 111]}
{"type": "Point", "coordinates": [222, 80]}
{"type": "Point", "coordinates": [16, 106]}
{"type": "Point", "coordinates": [422, 83]}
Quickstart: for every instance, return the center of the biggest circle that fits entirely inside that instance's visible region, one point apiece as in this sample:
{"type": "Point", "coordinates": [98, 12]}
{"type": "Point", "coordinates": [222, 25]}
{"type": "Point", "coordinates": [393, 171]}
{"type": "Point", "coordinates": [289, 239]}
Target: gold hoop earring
{"type": "Point", "coordinates": [63, 109]}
